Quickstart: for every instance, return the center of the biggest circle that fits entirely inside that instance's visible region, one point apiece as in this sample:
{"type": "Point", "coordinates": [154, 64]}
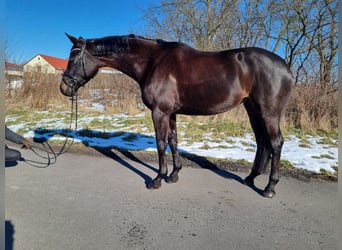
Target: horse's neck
{"type": "Point", "coordinates": [133, 63]}
{"type": "Point", "coordinates": [119, 63]}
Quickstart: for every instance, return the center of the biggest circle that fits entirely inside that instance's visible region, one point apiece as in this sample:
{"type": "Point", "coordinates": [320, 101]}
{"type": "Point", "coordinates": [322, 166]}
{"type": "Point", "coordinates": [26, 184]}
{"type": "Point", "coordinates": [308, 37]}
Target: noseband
{"type": "Point", "coordinates": [76, 82]}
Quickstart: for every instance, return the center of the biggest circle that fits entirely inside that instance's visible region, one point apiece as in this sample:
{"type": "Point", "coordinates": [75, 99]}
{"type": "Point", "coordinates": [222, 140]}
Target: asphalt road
{"type": "Point", "coordinates": [101, 202]}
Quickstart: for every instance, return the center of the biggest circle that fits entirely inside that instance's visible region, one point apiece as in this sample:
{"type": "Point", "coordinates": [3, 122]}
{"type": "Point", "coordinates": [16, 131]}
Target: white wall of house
{"type": "Point", "coordinates": [107, 70]}
{"type": "Point", "coordinates": [37, 64]}
{"type": "Point", "coordinates": [13, 72]}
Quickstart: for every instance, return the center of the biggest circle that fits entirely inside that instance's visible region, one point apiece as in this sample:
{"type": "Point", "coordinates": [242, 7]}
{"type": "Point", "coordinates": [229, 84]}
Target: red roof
{"type": "Point", "coordinates": [57, 63]}
{"type": "Point", "coordinates": [11, 65]}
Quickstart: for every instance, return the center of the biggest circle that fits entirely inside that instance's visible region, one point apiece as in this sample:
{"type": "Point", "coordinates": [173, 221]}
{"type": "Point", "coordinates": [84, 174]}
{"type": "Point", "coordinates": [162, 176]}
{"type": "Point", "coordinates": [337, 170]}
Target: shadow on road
{"type": "Point", "coordinates": [198, 160]}
{"type": "Point", "coordinates": [9, 235]}
{"type": "Point", "coordinates": [109, 153]}
{"type": "Point", "coordinates": [123, 142]}
{"type": "Point", "coordinates": [204, 163]}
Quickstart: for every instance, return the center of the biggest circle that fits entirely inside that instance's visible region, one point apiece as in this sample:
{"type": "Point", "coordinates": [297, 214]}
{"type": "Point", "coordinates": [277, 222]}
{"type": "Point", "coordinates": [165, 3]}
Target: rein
{"type": "Point", "coordinates": [51, 156]}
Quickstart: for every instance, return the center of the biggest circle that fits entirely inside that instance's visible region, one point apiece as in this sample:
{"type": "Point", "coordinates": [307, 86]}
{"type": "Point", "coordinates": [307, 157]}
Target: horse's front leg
{"type": "Point", "coordinates": [161, 126]}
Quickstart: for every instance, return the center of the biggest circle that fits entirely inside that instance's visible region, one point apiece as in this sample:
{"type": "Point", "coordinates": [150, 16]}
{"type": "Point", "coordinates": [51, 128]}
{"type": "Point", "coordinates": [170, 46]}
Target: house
{"type": "Point", "coordinates": [46, 64]}
{"type": "Point", "coordinates": [13, 70]}
{"type": "Point", "coordinates": [13, 75]}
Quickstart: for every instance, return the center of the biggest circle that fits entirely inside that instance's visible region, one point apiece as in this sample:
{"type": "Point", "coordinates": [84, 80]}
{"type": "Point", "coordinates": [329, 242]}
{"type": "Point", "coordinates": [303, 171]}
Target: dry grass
{"type": "Point", "coordinates": [311, 108]}
{"type": "Point", "coordinates": [38, 92]}
{"type": "Point", "coordinates": [118, 93]}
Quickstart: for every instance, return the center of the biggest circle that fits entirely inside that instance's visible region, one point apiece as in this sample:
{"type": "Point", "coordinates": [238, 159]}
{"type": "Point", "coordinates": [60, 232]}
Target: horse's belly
{"type": "Point", "coordinates": [206, 107]}
{"type": "Point", "coordinates": [210, 97]}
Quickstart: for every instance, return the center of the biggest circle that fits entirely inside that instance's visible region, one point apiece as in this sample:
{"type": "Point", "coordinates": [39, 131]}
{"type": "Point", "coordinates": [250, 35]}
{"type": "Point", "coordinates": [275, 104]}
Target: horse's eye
{"type": "Point", "coordinates": [74, 54]}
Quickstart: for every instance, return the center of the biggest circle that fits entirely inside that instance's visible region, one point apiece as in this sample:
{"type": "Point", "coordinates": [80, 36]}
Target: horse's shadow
{"type": "Point", "coordinates": [122, 144]}
{"type": "Point", "coordinates": [111, 154]}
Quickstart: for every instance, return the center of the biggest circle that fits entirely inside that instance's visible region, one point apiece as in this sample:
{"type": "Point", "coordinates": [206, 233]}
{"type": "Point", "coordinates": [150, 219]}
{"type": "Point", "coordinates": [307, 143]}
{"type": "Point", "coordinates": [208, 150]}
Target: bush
{"type": "Point", "coordinates": [313, 107]}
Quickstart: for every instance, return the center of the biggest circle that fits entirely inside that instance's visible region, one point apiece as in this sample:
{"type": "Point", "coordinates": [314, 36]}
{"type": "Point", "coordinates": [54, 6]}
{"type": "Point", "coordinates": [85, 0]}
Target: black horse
{"type": "Point", "coordinates": [177, 79]}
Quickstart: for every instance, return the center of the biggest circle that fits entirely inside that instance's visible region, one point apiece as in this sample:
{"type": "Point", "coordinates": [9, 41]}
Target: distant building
{"type": "Point", "coordinates": [46, 64]}
{"type": "Point", "coordinates": [13, 75]}
{"type": "Point", "coordinates": [13, 70]}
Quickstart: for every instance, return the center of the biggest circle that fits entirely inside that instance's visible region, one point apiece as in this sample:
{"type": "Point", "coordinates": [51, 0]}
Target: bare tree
{"type": "Point", "coordinates": [245, 25]}
{"type": "Point", "coordinates": [325, 43]}
{"type": "Point", "coordinates": [194, 22]}
{"type": "Point", "coordinates": [308, 37]}
{"type": "Point", "coordinates": [304, 32]}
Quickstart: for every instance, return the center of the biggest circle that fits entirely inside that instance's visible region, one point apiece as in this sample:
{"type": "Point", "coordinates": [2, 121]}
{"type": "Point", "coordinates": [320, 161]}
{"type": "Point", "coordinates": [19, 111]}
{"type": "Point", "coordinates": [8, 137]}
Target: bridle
{"type": "Point", "coordinates": [80, 63]}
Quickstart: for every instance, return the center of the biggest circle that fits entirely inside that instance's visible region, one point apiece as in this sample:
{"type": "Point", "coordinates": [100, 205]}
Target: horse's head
{"type": "Point", "coordinates": [82, 66]}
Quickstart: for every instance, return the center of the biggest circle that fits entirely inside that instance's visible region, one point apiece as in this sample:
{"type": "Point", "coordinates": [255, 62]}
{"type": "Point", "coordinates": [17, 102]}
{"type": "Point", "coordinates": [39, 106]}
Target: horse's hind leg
{"type": "Point", "coordinates": [269, 144]}
{"type": "Point", "coordinates": [263, 152]}
{"type": "Point", "coordinates": [173, 143]}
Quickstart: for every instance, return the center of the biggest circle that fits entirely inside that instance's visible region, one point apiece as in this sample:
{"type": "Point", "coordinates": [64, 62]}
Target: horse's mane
{"type": "Point", "coordinates": [110, 44]}
{"type": "Point", "coordinates": [117, 44]}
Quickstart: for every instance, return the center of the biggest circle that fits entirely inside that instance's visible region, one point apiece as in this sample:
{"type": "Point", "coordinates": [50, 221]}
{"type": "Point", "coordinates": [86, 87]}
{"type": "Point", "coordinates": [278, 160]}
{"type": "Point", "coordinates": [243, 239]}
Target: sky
{"type": "Point", "coordinates": [38, 26]}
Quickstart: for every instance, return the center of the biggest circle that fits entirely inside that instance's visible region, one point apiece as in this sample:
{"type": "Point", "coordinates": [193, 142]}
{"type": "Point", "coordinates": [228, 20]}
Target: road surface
{"type": "Point", "coordinates": [101, 202]}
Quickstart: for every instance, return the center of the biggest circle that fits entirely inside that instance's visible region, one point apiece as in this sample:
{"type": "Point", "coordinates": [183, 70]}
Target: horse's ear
{"type": "Point", "coordinates": [74, 40]}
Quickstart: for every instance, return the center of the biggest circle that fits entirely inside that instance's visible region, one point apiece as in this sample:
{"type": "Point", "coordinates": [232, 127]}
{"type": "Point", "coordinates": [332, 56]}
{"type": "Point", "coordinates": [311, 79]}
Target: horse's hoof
{"type": "Point", "coordinates": [268, 193]}
{"type": "Point", "coordinates": [172, 179]}
{"type": "Point", "coordinates": [154, 185]}
{"type": "Point", "coordinates": [249, 181]}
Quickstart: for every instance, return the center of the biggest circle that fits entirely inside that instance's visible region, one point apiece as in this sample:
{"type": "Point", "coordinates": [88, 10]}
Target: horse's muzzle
{"type": "Point", "coordinates": [65, 89]}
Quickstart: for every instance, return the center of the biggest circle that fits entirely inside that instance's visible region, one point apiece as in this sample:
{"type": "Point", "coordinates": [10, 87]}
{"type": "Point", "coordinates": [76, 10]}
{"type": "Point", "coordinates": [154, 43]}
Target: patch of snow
{"type": "Point", "coordinates": [98, 107]}
{"type": "Point", "coordinates": [315, 158]}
